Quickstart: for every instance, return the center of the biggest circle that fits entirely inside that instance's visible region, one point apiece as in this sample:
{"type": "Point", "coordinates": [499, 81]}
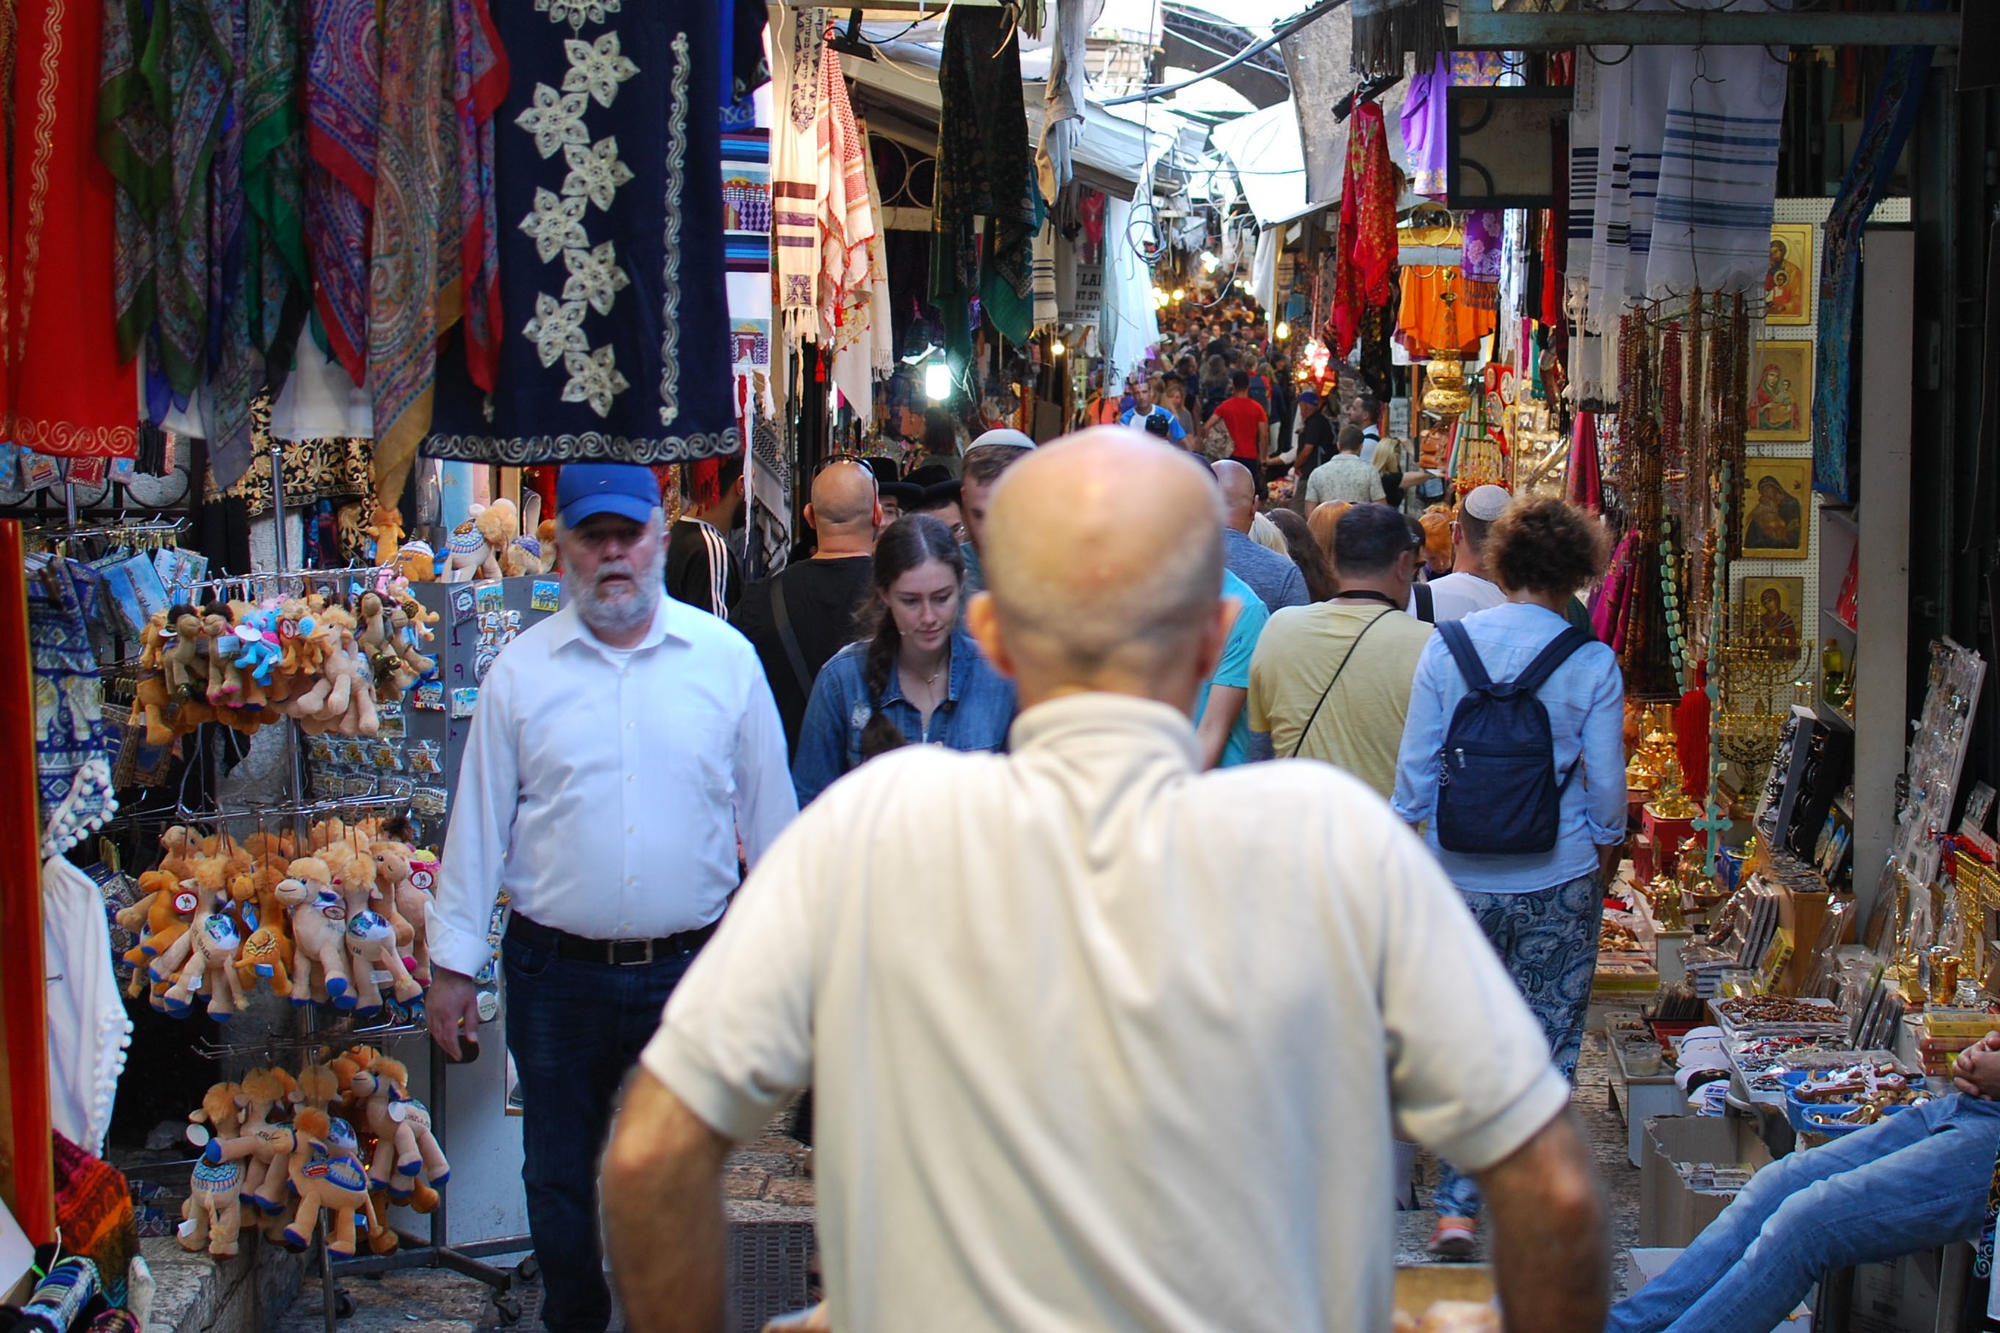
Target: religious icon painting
{"type": "Point", "coordinates": [1788, 280]}
{"type": "Point", "coordinates": [1777, 508]}
{"type": "Point", "coordinates": [1781, 388]}
{"type": "Point", "coordinates": [1776, 609]}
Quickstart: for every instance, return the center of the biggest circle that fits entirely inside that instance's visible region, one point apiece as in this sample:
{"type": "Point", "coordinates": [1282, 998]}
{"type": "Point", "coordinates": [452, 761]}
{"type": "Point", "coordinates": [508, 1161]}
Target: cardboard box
{"type": "Point", "coordinates": [1673, 1208]}
{"type": "Point", "coordinates": [1916, 1293]}
{"type": "Point", "coordinates": [1420, 1286]}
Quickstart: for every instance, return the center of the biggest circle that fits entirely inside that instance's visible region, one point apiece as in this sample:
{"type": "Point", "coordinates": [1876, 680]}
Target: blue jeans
{"type": "Point", "coordinates": [574, 1029]}
{"type": "Point", "coordinates": [1911, 1182]}
{"type": "Point", "coordinates": [1547, 940]}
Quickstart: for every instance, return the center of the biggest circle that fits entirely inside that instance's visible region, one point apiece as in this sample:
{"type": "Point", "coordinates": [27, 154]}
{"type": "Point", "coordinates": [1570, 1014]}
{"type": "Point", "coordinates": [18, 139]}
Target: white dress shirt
{"type": "Point", "coordinates": [1090, 1049]}
{"type": "Point", "coordinates": [606, 790]}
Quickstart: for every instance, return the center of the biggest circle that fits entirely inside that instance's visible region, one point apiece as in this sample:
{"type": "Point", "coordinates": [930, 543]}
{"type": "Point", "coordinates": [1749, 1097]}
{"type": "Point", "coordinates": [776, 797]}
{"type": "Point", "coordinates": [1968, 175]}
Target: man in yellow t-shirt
{"type": "Point", "coordinates": [1364, 633]}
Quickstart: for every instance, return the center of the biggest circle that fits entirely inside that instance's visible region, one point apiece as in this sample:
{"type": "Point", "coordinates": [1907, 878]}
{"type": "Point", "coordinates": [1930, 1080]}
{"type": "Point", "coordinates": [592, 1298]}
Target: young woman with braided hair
{"type": "Point", "coordinates": [915, 677]}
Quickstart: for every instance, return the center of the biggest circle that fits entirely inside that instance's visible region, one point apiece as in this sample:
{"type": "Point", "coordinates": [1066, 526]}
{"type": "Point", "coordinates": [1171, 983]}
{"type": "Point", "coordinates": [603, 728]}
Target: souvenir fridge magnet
{"type": "Point", "coordinates": [546, 595]}
{"type": "Point", "coordinates": [463, 701]}
{"type": "Point", "coordinates": [464, 605]}
{"type": "Point", "coordinates": [429, 696]}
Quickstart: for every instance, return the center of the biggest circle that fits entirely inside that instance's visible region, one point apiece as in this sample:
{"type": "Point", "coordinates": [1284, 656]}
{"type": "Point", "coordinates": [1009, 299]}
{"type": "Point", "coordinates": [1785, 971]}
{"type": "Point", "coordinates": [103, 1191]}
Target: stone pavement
{"type": "Point", "coordinates": [766, 1178]}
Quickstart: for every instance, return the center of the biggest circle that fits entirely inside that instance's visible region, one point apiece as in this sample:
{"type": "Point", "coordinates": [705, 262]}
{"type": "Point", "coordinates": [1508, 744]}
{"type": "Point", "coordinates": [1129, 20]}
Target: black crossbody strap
{"type": "Point", "coordinates": [1306, 730]}
{"type": "Point", "coordinates": [781, 618]}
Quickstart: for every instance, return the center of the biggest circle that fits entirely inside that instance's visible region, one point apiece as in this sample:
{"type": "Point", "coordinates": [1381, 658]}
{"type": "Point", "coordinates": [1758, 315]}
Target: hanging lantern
{"type": "Point", "coordinates": [1444, 391]}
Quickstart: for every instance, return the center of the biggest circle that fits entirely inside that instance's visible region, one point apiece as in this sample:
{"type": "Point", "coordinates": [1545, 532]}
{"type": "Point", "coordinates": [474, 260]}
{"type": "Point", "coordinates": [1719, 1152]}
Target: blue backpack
{"type": "Point", "coordinates": [1497, 787]}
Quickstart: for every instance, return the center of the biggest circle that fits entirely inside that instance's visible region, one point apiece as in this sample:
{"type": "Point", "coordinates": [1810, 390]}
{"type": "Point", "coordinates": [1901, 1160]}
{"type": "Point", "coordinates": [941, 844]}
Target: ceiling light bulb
{"type": "Point", "coordinates": [1056, 348]}
{"type": "Point", "coordinates": [1283, 330]}
{"type": "Point", "coordinates": [937, 381]}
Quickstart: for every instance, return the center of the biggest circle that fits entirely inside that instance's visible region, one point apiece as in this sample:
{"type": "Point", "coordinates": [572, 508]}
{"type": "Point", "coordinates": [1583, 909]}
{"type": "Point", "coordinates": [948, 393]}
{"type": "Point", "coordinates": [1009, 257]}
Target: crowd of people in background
{"type": "Point", "coordinates": [1337, 581]}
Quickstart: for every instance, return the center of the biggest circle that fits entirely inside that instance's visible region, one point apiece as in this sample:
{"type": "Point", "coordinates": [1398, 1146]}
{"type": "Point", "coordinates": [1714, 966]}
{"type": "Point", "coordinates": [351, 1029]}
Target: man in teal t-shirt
{"type": "Point", "coordinates": [1226, 738]}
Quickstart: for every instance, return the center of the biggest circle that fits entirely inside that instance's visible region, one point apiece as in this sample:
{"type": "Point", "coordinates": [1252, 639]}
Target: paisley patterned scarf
{"type": "Point", "coordinates": [343, 106]}
{"type": "Point", "coordinates": [1366, 246]}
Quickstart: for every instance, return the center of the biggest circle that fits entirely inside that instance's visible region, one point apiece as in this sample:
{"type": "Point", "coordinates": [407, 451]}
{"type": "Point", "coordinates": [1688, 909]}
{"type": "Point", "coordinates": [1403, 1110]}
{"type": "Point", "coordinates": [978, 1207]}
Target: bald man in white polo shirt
{"type": "Point", "coordinates": [1074, 1070]}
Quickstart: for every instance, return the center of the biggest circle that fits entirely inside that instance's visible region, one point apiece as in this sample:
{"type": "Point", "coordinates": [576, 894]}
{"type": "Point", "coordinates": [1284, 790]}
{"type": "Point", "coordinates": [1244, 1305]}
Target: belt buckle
{"type": "Point", "coordinates": [631, 953]}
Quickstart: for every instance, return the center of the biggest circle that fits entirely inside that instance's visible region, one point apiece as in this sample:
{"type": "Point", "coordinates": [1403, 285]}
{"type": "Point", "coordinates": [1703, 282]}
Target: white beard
{"type": "Point", "coordinates": [619, 615]}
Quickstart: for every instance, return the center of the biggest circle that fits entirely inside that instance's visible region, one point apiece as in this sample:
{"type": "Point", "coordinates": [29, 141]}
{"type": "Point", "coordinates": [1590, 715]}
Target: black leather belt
{"type": "Point", "coordinates": [617, 953]}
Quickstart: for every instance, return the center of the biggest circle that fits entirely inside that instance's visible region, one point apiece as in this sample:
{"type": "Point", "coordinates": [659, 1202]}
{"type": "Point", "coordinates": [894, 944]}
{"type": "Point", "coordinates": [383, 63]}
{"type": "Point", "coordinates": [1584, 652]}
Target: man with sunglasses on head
{"type": "Point", "coordinates": [804, 615]}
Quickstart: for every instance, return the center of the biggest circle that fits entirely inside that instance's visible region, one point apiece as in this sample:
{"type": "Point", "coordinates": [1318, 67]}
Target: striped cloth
{"type": "Point", "coordinates": [798, 43]}
{"type": "Point", "coordinates": [1718, 172]}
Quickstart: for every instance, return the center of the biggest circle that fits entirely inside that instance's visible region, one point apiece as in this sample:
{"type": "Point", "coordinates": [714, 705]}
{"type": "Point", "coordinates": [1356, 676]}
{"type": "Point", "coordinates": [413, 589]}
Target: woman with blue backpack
{"type": "Point", "coordinates": [1513, 762]}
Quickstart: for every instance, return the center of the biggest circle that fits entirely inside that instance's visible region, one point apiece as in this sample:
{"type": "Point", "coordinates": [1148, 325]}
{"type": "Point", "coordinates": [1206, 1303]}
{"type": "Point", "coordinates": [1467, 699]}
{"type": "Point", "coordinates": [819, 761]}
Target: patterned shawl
{"type": "Point", "coordinates": [343, 107]}
{"type": "Point", "coordinates": [274, 169]}
{"type": "Point", "coordinates": [133, 107]}
{"type": "Point", "coordinates": [479, 85]}
{"type": "Point", "coordinates": [846, 221]}
{"type": "Point", "coordinates": [1366, 244]}
{"type": "Point", "coordinates": [198, 62]}
{"type": "Point", "coordinates": [798, 44]}
{"type": "Point", "coordinates": [416, 237]}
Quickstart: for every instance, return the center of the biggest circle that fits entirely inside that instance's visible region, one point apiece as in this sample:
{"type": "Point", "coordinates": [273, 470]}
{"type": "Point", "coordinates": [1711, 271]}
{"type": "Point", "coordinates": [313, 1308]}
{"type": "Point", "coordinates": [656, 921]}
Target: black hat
{"type": "Point", "coordinates": [902, 492]}
{"type": "Point", "coordinates": [886, 470]}
{"type": "Point", "coordinates": [947, 492]}
{"type": "Point", "coordinates": [930, 474]}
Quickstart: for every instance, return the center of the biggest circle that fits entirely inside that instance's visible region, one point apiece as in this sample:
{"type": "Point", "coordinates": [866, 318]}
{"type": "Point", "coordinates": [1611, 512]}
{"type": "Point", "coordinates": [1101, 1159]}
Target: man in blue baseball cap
{"type": "Point", "coordinates": [619, 752]}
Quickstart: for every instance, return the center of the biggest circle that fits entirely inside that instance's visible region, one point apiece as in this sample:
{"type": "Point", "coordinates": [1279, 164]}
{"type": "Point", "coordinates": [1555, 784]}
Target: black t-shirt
{"type": "Point", "coordinates": [1317, 435]}
{"type": "Point", "coordinates": [702, 567]}
{"type": "Point", "coordinates": [821, 597]}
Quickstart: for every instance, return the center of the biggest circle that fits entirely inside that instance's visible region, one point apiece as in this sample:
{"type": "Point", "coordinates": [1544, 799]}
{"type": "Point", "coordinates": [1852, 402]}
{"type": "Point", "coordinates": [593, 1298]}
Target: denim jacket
{"type": "Point", "coordinates": [977, 710]}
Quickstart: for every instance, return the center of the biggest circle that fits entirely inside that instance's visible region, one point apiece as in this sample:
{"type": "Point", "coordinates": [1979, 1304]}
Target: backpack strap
{"type": "Point", "coordinates": [781, 620]}
{"type": "Point", "coordinates": [1426, 604]}
{"type": "Point", "coordinates": [1313, 717]}
{"type": "Point", "coordinates": [1551, 657]}
{"type": "Point", "coordinates": [1469, 666]}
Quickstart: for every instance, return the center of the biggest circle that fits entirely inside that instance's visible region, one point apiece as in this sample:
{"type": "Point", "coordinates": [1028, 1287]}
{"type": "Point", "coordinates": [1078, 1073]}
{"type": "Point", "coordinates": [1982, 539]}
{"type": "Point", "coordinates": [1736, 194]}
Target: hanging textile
{"type": "Point", "coordinates": [863, 348]}
{"type": "Point", "coordinates": [479, 85]}
{"type": "Point", "coordinates": [1718, 172]}
{"type": "Point", "coordinates": [1366, 241]}
{"type": "Point", "coordinates": [132, 110]}
{"type": "Point", "coordinates": [415, 234]}
{"type": "Point", "coordinates": [274, 183]}
{"type": "Point", "coordinates": [845, 214]}
{"type": "Point", "coordinates": [1443, 313]}
{"type": "Point", "coordinates": [746, 240]}
{"type": "Point", "coordinates": [1586, 480]}
{"type": "Point", "coordinates": [72, 744]}
{"type": "Point", "coordinates": [343, 115]}
{"type": "Point", "coordinates": [608, 176]}
{"type": "Point", "coordinates": [319, 402]}
{"type": "Point", "coordinates": [1882, 137]}
{"type": "Point", "coordinates": [1062, 100]}
{"type": "Point", "coordinates": [984, 169]}
{"type": "Point", "coordinates": [1424, 128]}
{"type": "Point", "coordinates": [798, 44]}
{"type": "Point", "coordinates": [1047, 309]}
{"type": "Point", "coordinates": [69, 392]}
{"type": "Point", "coordinates": [1387, 30]}
{"type": "Point", "coordinates": [88, 1029]}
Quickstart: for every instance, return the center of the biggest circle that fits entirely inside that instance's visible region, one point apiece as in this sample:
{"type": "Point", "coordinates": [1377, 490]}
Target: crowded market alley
{"type": "Point", "coordinates": [1035, 664]}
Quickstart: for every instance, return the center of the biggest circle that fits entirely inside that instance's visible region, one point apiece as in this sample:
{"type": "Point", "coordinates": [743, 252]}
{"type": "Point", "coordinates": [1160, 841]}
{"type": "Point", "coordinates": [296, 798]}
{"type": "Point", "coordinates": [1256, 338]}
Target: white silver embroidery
{"type": "Point", "coordinates": [555, 119]}
{"type": "Point", "coordinates": [595, 172]}
{"type": "Point", "coordinates": [670, 299]}
{"type": "Point", "coordinates": [593, 379]}
{"type": "Point", "coordinates": [597, 67]}
{"type": "Point", "coordinates": [557, 328]}
{"type": "Point", "coordinates": [576, 12]}
{"type": "Point", "coordinates": [556, 224]}
{"type": "Point", "coordinates": [595, 276]}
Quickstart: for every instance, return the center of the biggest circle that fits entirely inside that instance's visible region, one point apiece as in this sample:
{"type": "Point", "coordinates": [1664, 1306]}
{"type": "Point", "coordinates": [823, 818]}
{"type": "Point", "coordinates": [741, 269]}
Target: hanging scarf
{"type": "Point", "coordinates": [343, 111]}
{"type": "Point", "coordinates": [416, 237]}
{"type": "Point", "coordinates": [198, 60]}
{"type": "Point", "coordinates": [840, 198]}
{"type": "Point", "coordinates": [479, 85]}
{"type": "Point", "coordinates": [68, 392]}
{"type": "Point", "coordinates": [799, 45]}
{"type": "Point", "coordinates": [1586, 482]}
{"type": "Point", "coordinates": [1366, 243]}
{"type": "Point", "coordinates": [274, 171]}
{"type": "Point", "coordinates": [1063, 98]}
{"type": "Point", "coordinates": [985, 168]}
{"type": "Point", "coordinates": [1882, 137]}
{"type": "Point", "coordinates": [236, 369]}
{"type": "Point", "coordinates": [134, 104]}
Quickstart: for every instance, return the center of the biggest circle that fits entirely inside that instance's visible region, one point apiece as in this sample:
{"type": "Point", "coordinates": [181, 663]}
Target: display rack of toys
{"type": "Point", "coordinates": [314, 897]}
